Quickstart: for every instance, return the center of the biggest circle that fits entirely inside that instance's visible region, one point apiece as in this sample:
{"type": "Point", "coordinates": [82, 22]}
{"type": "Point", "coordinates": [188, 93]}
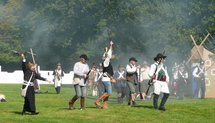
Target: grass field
{"type": "Point", "coordinates": [54, 108]}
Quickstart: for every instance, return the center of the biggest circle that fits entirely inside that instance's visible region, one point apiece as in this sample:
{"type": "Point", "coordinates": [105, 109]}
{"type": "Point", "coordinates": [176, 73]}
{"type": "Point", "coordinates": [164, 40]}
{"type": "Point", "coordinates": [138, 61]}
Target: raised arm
{"type": "Point", "coordinates": [23, 62]}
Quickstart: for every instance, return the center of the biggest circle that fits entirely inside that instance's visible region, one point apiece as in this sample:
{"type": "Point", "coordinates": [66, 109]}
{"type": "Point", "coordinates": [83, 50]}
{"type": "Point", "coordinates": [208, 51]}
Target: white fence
{"type": "Point", "coordinates": [16, 77]}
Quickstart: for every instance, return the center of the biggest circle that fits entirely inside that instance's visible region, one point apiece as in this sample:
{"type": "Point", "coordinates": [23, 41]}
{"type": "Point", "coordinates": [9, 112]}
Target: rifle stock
{"type": "Point", "coordinates": [141, 95]}
{"type": "Point", "coordinates": [203, 73]}
{"type": "Point", "coordinates": [113, 81]}
{"type": "Point", "coordinates": [87, 75]}
{"type": "Point", "coordinates": [150, 81]}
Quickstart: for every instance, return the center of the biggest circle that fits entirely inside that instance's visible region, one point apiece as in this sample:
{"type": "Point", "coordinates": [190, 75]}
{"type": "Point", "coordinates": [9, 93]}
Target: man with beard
{"type": "Point", "coordinates": [160, 81]}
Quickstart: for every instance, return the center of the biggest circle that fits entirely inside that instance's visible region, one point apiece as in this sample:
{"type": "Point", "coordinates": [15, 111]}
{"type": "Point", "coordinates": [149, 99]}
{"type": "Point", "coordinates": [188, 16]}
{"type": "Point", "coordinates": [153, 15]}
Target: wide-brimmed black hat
{"type": "Point", "coordinates": [84, 56]}
{"type": "Point", "coordinates": [133, 59]}
{"type": "Point", "coordinates": [159, 55]}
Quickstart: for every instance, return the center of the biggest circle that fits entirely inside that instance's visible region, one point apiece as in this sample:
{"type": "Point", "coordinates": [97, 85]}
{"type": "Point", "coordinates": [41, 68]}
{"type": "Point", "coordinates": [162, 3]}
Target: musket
{"type": "Point", "coordinates": [164, 52]}
{"type": "Point", "coordinates": [87, 75]}
{"type": "Point", "coordinates": [205, 71]}
{"type": "Point", "coordinates": [113, 81]}
{"type": "Point", "coordinates": [18, 53]}
{"type": "Point", "coordinates": [141, 95]}
{"type": "Point", "coordinates": [150, 83]}
{"type": "Point", "coordinates": [183, 76]}
{"type": "Point", "coordinates": [32, 54]}
{"type": "Point", "coordinates": [151, 80]}
{"type": "Point", "coordinates": [58, 75]}
{"type": "Point", "coordinates": [109, 37]}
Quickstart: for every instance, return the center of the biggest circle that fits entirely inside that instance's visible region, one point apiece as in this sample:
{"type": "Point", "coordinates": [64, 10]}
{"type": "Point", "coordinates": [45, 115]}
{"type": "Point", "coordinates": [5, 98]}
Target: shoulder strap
{"type": "Point", "coordinates": [200, 70]}
{"type": "Point", "coordinates": [30, 77]}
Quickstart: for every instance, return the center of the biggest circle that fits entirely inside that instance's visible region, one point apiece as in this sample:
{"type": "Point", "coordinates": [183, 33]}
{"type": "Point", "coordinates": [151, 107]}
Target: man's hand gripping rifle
{"type": "Point", "coordinates": [85, 79]}
{"type": "Point", "coordinates": [151, 81]}
{"type": "Point", "coordinates": [58, 75]}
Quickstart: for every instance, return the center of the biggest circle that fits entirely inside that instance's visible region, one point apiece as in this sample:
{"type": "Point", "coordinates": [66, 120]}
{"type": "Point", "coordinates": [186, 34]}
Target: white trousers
{"type": "Point", "coordinates": [57, 82]}
{"type": "Point", "coordinates": [160, 86]}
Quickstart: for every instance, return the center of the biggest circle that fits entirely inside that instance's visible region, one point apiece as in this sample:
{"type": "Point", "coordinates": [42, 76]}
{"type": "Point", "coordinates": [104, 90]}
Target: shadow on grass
{"type": "Point", "coordinates": [141, 106]}
{"type": "Point", "coordinates": [78, 108]}
{"type": "Point", "coordinates": [16, 112]}
{"type": "Point", "coordinates": [67, 108]}
{"type": "Point", "coordinates": [45, 92]}
{"type": "Point", "coordinates": [20, 113]}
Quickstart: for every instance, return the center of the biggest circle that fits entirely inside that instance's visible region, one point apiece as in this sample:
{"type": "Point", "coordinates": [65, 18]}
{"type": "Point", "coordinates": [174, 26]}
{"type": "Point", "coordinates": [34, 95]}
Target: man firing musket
{"type": "Point", "coordinates": [106, 77]}
{"type": "Point", "coordinates": [161, 81]}
{"type": "Point", "coordinates": [58, 74]}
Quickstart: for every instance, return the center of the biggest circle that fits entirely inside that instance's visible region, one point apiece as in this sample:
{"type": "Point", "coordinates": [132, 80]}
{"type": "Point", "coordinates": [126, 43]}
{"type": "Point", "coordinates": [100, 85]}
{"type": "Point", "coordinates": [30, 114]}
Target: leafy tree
{"type": "Point", "coordinates": [10, 36]}
{"type": "Point", "coordinates": [61, 30]}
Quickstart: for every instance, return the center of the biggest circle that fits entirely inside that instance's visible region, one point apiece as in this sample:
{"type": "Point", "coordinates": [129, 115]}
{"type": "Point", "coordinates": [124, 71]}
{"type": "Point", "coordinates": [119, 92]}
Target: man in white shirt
{"type": "Point", "coordinates": [58, 74]}
{"type": "Point", "coordinates": [199, 75]}
{"type": "Point", "coordinates": [132, 78]}
{"type": "Point", "coordinates": [145, 77]}
{"type": "Point", "coordinates": [80, 69]}
{"type": "Point", "coordinates": [161, 81]}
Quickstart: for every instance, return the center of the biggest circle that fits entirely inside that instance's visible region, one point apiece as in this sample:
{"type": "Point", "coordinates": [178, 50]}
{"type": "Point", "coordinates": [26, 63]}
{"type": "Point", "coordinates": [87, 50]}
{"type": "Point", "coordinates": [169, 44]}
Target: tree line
{"type": "Point", "coordinates": [62, 30]}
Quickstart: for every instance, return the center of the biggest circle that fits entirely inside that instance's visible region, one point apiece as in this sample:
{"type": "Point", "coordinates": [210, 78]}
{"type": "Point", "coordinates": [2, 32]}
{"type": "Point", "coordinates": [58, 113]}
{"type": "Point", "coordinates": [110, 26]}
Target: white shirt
{"type": "Point", "coordinates": [160, 66]}
{"type": "Point", "coordinates": [196, 70]}
{"type": "Point", "coordinates": [107, 59]}
{"type": "Point", "coordinates": [145, 72]}
{"type": "Point", "coordinates": [106, 62]}
{"type": "Point", "coordinates": [132, 69]}
{"type": "Point", "coordinates": [79, 69]}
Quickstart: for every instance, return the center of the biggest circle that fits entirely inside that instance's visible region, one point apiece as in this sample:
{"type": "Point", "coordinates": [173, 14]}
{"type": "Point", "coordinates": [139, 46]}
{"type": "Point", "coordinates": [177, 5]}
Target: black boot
{"type": "Point", "coordinates": [58, 90]}
{"type": "Point", "coordinates": [163, 101]}
{"type": "Point", "coordinates": [134, 103]}
{"type": "Point", "coordinates": [155, 101]}
{"type": "Point", "coordinates": [34, 113]}
{"type": "Point", "coordinates": [23, 111]}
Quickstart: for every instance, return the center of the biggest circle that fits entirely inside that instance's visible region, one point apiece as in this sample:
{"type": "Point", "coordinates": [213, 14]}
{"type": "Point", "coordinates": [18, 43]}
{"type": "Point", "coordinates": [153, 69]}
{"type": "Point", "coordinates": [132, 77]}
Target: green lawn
{"type": "Point", "coordinates": [54, 108]}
